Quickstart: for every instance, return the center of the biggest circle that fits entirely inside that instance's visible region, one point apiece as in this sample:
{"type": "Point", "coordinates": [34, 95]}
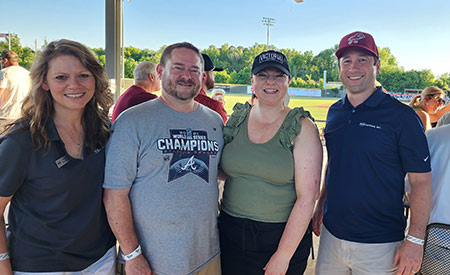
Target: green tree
{"type": "Point", "coordinates": [130, 63]}
{"type": "Point", "coordinates": [222, 77]}
{"type": "Point", "coordinates": [326, 61]}
{"type": "Point", "coordinates": [388, 63]}
{"type": "Point", "coordinates": [443, 81]}
{"type": "Point", "coordinates": [240, 77]}
{"type": "Point", "coordinates": [26, 55]}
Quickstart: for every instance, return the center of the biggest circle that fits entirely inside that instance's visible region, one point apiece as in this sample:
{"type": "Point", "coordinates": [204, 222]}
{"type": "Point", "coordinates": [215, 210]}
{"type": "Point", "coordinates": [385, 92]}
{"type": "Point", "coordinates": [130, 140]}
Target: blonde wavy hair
{"type": "Point", "coordinates": [427, 92]}
{"type": "Point", "coordinates": [38, 109]}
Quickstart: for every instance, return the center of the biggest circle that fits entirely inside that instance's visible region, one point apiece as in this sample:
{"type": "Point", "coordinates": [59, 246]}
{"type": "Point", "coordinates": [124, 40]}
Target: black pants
{"type": "Point", "coordinates": [247, 245]}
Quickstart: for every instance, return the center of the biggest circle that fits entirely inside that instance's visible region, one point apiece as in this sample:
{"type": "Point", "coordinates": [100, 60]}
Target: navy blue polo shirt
{"type": "Point", "coordinates": [370, 148]}
{"type": "Point", "coordinates": [57, 221]}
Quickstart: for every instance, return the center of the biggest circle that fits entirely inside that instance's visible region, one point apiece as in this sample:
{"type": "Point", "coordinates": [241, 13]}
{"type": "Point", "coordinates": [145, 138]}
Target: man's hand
{"type": "Point", "coordinates": [317, 218]}
{"type": "Point", "coordinates": [408, 258]}
{"type": "Point", "coordinates": [5, 267]}
{"type": "Point", "coordinates": [277, 265]}
{"type": "Point", "coordinates": [138, 266]}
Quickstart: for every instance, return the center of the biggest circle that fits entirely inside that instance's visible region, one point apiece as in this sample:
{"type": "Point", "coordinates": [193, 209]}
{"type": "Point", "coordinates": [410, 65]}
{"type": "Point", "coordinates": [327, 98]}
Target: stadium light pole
{"type": "Point", "coordinates": [123, 46]}
{"type": "Point", "coordinates": [267, 21]}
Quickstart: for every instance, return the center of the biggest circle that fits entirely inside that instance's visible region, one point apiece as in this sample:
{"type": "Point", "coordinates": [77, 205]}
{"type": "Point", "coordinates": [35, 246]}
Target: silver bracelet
{"type": "Point", "coordinates": [134, 254]}
{"type": "Point", "coordinates": [4, 256]}
{"type": "Point", "coordinates": [414, 240]}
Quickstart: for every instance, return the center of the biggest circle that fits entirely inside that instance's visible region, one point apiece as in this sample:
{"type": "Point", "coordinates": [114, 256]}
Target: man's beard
{"type": "Point", "coordinates": [170, 87]}
{"type": "Point", "coordinates": [209, 83]}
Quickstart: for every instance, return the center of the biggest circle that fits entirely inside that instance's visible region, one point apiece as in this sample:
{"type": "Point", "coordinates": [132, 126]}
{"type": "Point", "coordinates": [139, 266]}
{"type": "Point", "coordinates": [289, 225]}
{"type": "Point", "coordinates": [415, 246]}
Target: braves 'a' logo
{"type": "Point", "coordinates": [354, 39]}
{"type": "Point", "coordinates": [191, 151]}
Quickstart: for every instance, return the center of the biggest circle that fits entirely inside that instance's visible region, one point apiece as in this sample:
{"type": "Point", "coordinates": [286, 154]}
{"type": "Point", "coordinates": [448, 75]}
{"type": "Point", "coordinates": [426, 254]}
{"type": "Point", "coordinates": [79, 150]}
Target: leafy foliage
{"type": "Point", "coordinates": [306, 68]}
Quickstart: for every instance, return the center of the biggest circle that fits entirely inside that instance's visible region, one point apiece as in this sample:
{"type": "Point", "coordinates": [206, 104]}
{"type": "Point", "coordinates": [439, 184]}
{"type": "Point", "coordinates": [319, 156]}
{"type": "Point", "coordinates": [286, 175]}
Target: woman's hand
{"type": "Point", "coordinates": [277, 265]}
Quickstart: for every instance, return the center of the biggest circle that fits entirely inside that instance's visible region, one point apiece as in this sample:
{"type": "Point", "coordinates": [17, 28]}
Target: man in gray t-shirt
{"type": "Point", "coordinates": [161, 175]}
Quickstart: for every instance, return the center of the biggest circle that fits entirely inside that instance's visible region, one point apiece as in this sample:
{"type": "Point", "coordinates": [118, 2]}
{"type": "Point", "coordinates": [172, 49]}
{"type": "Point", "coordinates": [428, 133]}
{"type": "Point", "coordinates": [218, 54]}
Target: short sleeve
{"type": "Point", "coordinates": [121, 156]}
{"type": "Point", "coordinates": [14, 159]}
{"type": "Point", "coordinates": [240, 113]}
{"type": "Point", "coordinates": [413, 146]}
{"type": "Point", "coordinates": [291, 126]}
{"type": "Point", "coordinates": [444, 120]}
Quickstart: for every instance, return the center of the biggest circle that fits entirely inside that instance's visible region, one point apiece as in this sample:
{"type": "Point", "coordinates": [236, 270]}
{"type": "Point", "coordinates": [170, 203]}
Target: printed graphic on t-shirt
{"type": "Point", "coordinates": [191, 151]}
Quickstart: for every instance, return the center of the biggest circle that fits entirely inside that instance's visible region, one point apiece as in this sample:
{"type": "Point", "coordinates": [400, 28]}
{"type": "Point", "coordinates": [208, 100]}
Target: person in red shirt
{"type": "Point", "coordinates": [146, 81]}
{"type": "Point", "coordinates": [207, 84]}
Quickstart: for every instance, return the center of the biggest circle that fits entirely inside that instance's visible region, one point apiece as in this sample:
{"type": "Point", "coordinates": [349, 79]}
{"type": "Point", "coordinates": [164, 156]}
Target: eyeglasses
{"type": "Point", "coordinates": [440, 100]}
{"type": "Point", "coordinates": [280, 78]}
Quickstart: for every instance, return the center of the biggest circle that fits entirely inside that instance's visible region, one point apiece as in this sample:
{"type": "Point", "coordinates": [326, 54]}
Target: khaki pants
{"type": "Point", "coordinates": [340, 257]}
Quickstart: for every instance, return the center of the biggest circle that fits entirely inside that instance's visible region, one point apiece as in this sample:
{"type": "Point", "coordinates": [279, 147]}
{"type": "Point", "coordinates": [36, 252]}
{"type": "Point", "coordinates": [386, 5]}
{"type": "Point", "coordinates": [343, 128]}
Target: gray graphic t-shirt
{"type": "Point", "coordinates": [169, 160]}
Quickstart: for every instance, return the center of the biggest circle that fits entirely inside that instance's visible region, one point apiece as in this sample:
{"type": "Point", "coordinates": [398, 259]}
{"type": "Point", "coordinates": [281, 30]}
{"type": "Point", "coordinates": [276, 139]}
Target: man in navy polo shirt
{"type": "Point", "coordinates": [373, 141]}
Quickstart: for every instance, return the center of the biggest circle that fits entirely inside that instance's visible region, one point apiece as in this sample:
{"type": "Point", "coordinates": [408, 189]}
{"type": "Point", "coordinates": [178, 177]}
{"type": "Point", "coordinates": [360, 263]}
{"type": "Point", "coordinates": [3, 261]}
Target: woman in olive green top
{"type": "Point", "coordinates": [273, 159]}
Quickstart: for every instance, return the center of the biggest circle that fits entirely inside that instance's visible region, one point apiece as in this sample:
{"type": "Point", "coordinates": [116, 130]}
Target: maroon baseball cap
{"type": "Point", "coordinates": [359, 40]}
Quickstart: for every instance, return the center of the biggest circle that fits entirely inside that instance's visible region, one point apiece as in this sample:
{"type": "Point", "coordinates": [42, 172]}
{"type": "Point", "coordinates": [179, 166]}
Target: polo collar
{"type": "Point", "coordinates": [372, 101]}
{"type": "Point", "coordinates": [375, 98]}
{"type": "Point", "coordinates": [52, 132]}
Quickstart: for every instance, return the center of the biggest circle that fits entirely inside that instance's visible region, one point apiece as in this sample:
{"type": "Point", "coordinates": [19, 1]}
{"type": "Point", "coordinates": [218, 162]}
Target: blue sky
{"type": "Point", "coordinates": [417, 32]}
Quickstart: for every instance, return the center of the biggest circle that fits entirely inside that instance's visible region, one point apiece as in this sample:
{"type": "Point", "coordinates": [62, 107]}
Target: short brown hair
{"type": "Point", "coordinates": [10, 55]}
{"type": "Point", "coordinates": [168, 52]}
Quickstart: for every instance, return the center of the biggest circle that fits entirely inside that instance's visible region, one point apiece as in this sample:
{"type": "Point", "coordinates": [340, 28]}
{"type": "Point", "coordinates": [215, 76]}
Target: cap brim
{"type": "Point", "coordinates": [341, 50]}
{"type": "Point", "coordinates": [275, 65]}
{"type": "Point", "coordinates": [217, 69]}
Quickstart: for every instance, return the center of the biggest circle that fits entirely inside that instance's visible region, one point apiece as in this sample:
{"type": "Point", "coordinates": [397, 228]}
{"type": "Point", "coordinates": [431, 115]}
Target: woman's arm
{"type": "Point", "coordinates": [425, 118]}
{"type": "Point", "coordinates": [5, 265]}
{"type": "Point", "coordinates": [308, 166]}
{"type": "Point", "coordinates": [435, 117]}
{"type": "Point", "coordinates": [221, 175]}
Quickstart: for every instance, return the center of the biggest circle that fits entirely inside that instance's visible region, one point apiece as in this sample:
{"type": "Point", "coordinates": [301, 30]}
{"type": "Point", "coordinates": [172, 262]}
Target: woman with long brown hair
{"type": "Point", "coordinates": [52, 169]}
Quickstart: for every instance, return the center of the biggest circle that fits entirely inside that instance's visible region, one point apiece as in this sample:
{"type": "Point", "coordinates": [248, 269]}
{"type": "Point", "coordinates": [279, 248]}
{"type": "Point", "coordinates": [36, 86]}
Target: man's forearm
{"type": "Point", "coordinates": [420, 205]}
{"type": "Point", "coordinates": [120, 218]}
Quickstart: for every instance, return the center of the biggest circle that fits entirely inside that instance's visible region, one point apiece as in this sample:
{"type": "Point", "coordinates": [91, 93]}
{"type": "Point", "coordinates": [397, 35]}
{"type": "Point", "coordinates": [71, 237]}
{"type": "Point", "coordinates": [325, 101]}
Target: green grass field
{"type": "Point", "coordinates": [317, 106]}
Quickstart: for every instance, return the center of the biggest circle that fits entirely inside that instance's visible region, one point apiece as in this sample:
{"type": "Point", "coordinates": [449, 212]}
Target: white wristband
{"type": "Point", "coordinates": [4, 256]}
{"type": "Point", "coordinates": [414, 240]}
{"type": "Point", "coordinates": [134, 254]}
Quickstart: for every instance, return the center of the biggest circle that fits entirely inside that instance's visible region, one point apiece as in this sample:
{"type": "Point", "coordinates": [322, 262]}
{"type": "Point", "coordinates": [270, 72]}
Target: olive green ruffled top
{"type": "Point", "coordinates": [260, 184]}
